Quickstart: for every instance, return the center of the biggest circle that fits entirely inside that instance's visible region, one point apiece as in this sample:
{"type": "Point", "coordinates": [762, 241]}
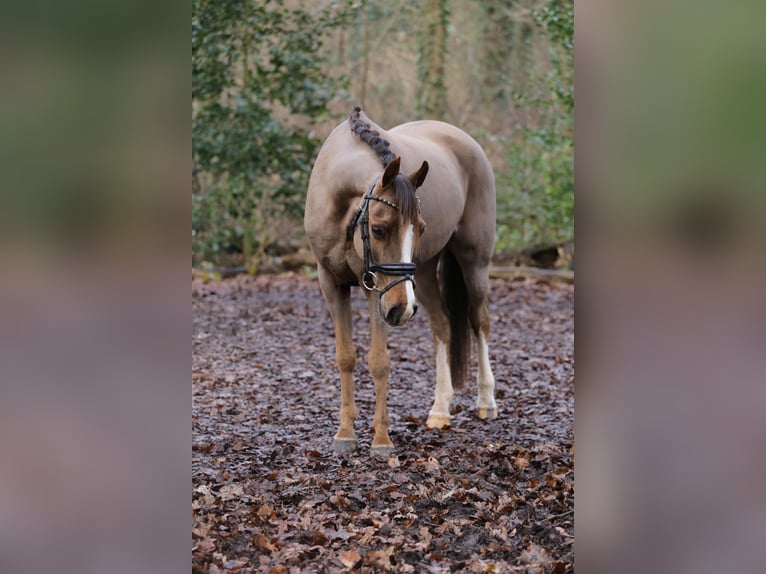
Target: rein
{"type": "Point", "coordinates": [405, 271]}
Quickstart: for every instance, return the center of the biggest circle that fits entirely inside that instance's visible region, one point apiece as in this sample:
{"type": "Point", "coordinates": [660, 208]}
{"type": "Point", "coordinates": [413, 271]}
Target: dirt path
{"type": "Point", "coordinates": [270, 495]}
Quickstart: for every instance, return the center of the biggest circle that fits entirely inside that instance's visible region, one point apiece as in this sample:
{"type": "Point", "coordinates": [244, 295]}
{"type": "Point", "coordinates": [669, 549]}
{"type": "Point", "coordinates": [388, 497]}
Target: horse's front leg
{"type": "Point", "coordinates": [380, 366]}
{"type": "Point", "coordinates": [338, 299]}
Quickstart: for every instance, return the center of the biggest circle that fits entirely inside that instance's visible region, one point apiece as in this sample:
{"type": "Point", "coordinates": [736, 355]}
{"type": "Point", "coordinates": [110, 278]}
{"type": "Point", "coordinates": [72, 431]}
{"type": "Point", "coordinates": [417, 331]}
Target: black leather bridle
{"type": "Point", "coordinates": [405, 271]}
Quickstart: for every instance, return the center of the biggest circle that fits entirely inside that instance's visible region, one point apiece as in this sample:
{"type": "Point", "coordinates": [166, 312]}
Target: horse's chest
{"type": "Point", "coordinates": [344, 263]}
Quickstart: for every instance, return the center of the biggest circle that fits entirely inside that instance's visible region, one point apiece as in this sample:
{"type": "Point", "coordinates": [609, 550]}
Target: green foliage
{"type": "Point", "coordinates": [556, 17]}
{"type": "Point", "coordinates": [263, 74]}
{"type": "Point", "coordinates": [257, 80]}
{"type": "Point", "coordinates": [536, 191]}
{"type": "Point", "coordinates": [538, 206]}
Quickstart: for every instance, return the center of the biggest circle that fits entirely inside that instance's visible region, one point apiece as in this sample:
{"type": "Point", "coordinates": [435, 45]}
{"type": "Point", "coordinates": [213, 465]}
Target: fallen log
{"type": "Point", "coordinates": [511, 272]}
{"type": "Point", "coordinates": [521, 272]}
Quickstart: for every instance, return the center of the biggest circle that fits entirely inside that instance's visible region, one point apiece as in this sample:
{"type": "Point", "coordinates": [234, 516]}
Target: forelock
{"type": "Point", "coordinates": [405, 199]}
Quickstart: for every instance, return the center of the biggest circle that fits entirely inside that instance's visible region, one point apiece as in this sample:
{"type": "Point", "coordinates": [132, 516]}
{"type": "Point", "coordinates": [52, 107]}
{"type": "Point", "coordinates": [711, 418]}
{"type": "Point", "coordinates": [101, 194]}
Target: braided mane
{"type": "Point", "coordinates": [371, 137]}
{"type": "Point", "coordinates": [406, 201]}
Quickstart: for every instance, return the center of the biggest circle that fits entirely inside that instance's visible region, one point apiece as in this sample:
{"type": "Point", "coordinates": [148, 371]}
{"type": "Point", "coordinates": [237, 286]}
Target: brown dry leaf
{"type": "Point", "coordinates": [317, 538]}
{"type": "Point", "coordinates": [520, 462]}
{"type": "Point", "coordinates": [425, 538]}
{"type": "Point", "coordinates": [231, 492]}
{"type": "Point", "coordinates": [207, 498]}
{"type": "Point", "coordinates": [199, 532]}
{"type": "Point", "coordinates": [339, 501]}
{"type": "Point", "coordinates": [206, 544]}
{"type": "Point", "coordinates": [367, 535]}
{"type": "Point", "coordinates": [266, 510]}
{"type": "Point", "coordinates": [350, 558]}
{"type": "Point", "coordinates": [379, 559]}
{"type": "Point", "coordinates": [536, 554]}
{"type": "Point", "coordinates": [263, 543]}
{"type": "Point", "coordinates": [563, 532]}
{"type": "Point", "coordinates": [432, 465]}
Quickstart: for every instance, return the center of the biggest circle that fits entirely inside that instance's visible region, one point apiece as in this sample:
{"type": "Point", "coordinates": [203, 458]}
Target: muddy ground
{"type": "Point", "coordinates": [270, 495]}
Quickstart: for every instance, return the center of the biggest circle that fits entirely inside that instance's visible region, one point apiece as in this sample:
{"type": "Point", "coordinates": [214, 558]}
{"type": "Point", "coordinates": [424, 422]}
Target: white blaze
{"type": "Point", "coordinates": [408, 244]}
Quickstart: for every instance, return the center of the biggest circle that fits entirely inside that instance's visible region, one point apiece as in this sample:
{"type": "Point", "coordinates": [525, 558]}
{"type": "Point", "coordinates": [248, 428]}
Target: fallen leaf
{"type": "Point", "coordinates": [263, 543]}
{"type": "Point", "coordinates": [425, 539]}
{"type": "Point", "coordinates": [380, 559]}
{"type": "Point", "coordinates": [266, 510]}
{"type": "Point", "coordinates": [535, 554]}
{"type": "Point", "coordinates": [316, 538]}
{"type": "Point", "coordinates": [339, 501]}
{"type": "Point", "coordinates": [465, 500]}
{"type": "Point", "coordinates": [350, 558]}
{"type": "Point", "coordinates": [230, 491]}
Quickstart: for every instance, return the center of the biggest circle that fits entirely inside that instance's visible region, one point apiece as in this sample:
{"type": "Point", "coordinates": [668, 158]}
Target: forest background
{"type": "Point", "coordinates": [271, 79]}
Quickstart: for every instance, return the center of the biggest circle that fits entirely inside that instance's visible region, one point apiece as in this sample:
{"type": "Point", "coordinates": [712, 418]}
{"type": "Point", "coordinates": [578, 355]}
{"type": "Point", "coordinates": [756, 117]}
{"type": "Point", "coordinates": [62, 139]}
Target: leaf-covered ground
{"type": "Point", "coordinates": [270, 495]}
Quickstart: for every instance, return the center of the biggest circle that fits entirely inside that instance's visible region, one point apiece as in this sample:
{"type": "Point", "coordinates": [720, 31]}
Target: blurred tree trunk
{"type": "Point", "coordinates": [507, 56]}
{"type": "Point", "coordinates": [432, 56]}
{"type": "Point", "coordinates": [499, 36]}
{"type": "Point", "coordinates": [365, 56]}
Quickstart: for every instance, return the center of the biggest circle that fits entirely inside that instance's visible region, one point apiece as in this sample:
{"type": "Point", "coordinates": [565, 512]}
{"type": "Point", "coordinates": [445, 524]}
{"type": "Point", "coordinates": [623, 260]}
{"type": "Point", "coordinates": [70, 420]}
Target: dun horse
{"type": "Point", "coordinates": [366, 226]}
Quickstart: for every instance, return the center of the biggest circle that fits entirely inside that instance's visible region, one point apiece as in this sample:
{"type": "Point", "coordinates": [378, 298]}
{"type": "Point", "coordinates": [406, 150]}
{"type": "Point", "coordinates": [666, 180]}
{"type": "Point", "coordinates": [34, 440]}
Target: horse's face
{"type": "Point", "coordinates": [394, 238]}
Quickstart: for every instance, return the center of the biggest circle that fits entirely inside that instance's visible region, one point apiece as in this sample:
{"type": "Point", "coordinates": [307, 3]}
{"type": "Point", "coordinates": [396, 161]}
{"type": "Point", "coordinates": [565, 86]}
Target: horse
{"type": "Point", "coordinates": [366, 226]}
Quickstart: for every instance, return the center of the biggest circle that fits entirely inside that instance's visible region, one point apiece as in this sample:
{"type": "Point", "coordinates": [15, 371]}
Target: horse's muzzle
{"type": "Point", "coordinates": [399, 314]}
{"type": "Point", "coordinates": [396, 316]}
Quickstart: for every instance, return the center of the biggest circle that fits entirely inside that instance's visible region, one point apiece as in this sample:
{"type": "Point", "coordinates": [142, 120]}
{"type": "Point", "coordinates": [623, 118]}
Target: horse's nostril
{"type": "Point", "coordinates": [414, 310]}
{"type": "Point", "coordinates": [394, 314]}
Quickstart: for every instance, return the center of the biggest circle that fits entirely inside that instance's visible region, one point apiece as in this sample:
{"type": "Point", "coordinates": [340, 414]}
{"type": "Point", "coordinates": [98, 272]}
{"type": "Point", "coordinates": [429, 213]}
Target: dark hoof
{"type": "Point", "coordinates": [382, 451]}
{"type": "Point", "coordinates": [486, 413]}
{"type": "Point", "coordinates": [344, 445]}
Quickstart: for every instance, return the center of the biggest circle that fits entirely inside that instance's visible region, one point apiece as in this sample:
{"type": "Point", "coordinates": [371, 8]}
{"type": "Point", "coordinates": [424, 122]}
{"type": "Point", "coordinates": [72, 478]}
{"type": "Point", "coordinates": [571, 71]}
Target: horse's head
{"type": "Point", "coordinates": [394, 225]}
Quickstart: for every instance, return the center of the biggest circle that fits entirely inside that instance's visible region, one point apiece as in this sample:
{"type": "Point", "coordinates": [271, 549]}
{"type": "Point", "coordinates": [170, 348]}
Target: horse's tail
{"type": "Point", "coordinates": [455, 296]}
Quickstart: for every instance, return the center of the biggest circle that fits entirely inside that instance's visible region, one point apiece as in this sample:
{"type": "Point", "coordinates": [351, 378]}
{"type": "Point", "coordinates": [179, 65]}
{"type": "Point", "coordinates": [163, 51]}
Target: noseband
{"type": "Point", "coordinates": [405, 271]}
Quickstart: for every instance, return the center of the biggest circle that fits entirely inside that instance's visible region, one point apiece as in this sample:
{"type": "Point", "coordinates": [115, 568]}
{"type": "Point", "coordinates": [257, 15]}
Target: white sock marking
{"type": "Point", "coordinates": [486, 380]}
{"type": "Point", "coordinates": [443, 392]}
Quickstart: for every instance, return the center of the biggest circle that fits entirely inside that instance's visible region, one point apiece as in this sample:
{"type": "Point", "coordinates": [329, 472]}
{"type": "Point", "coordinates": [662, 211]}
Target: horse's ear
{"type": "Point", "coordinates": [418, 177]}
{"type": "Point", "coordinates": [392, 170]}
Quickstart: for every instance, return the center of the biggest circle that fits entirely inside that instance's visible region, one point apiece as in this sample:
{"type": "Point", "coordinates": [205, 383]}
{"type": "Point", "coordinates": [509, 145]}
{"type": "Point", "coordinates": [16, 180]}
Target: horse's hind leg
{"type": "Point", "coordinates": [338, 299]}
{"type": "Point", "coordinates": [477, 284]}
{"type": "Point", "coordinates": [429, 296]}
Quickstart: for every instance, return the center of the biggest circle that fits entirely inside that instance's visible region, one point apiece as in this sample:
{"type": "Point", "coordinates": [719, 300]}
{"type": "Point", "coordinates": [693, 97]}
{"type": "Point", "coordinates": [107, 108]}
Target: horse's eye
{"type": "Point", "coordinates": [378, 231]}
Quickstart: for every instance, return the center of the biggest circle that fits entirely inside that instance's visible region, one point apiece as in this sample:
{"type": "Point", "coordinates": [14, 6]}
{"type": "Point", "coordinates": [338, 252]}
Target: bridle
{"type": "Point", "coordinates": [405, 271]}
